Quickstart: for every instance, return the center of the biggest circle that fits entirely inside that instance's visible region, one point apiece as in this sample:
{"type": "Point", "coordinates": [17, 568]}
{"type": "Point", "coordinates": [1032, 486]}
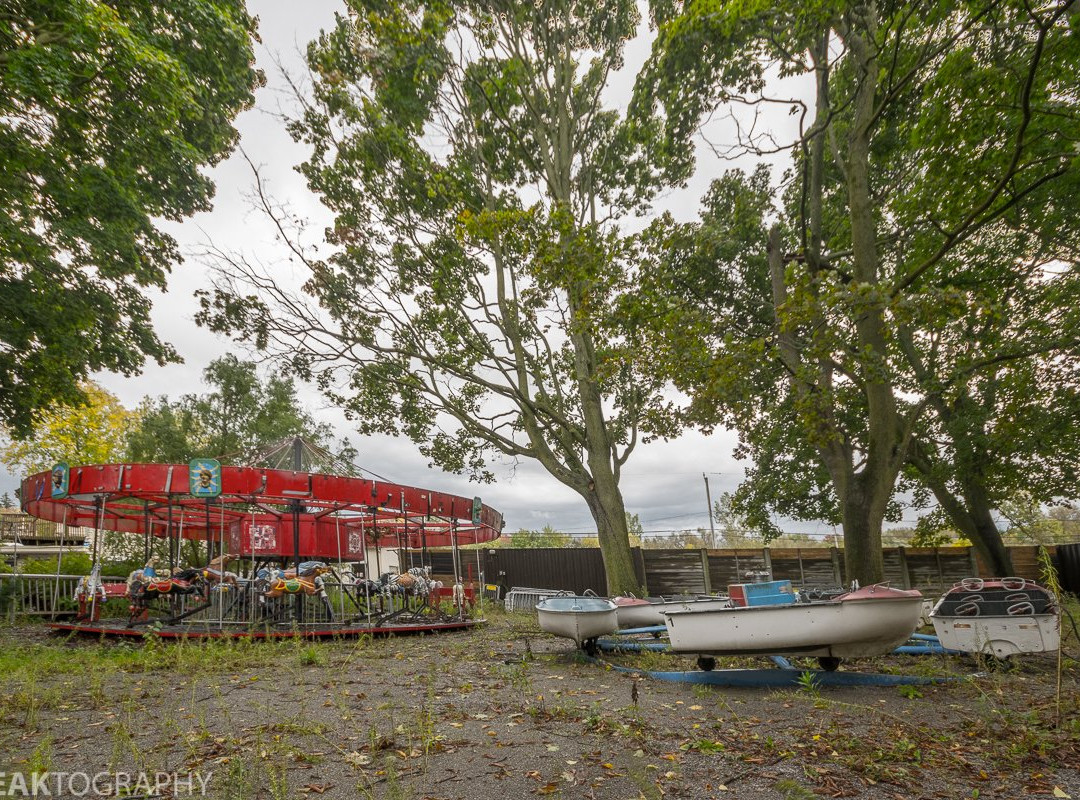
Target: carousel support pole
{"type": "Point", "coordinates": [459, 590]}
{"type": "Point", "coordinates": [299, 601]}
{"type": "Point", "coordinates": [423, 534]}
{"type": "Point", "coordinates": [340, 571]}
{"type": "Point", "coordinates": [480, 573]}
{"type": "Point", "coordinates": [221, 550]}
{"type": "Point", "coordinates": [146, 534]}
{"type": "Point", "coordinates": [405, 535]}
{"type": "Point", "coordinates": [59, 555]}
{"type": "Point", "coordinates": [298, 459]}
{"type": "Point", "coordinates": [99, 520]}
{"type": "Point", "coordinates": [367, 569]}
{"type": "Point", "coordinates": [375, 539]}
{"type": "Point", "coordinates": [169, 529]}
{"type": "Point", "coordinates": [209, 538]}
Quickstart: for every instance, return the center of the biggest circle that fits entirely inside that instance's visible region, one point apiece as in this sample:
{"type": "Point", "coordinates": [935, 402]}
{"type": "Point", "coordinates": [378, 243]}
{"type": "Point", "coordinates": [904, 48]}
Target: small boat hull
{"type": "Point", "coordinates": [578, 618]}
{"type": "Point", "coordinates": [867, 622]}
{"type": "Point", "coordinates": [1003, 618]}
{"type": "Point", "coordinates": [637, 613]}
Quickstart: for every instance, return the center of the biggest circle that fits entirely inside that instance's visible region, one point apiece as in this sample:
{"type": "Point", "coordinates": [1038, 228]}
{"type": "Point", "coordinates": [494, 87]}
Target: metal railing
{"type": "Point", "coordinates": [45, 595]}
{"type": "Point", "coordinates": [42, 595]}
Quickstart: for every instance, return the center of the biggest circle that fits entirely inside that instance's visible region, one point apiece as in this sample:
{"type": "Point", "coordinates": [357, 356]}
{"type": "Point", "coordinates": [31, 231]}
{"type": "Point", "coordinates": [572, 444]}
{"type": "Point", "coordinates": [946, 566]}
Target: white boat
{"type": "Point", "coordinates": [865, 622]}
{"type": "Point", "coordinates": [1000, 617]}
{"type": "Point", "coordinates": [579, 618]}
{"type": "Point", "coordinates": [636, 612]}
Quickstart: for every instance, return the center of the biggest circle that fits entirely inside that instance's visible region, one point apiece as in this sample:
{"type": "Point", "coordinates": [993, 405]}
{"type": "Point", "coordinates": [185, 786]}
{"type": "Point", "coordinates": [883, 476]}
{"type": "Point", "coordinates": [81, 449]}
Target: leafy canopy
{"type": "Point", "coordinates": [108, 110]}
{"type": "Point", "coordinates": [92, 432]}
{"type": "Point", "coordinates": [239, 417]}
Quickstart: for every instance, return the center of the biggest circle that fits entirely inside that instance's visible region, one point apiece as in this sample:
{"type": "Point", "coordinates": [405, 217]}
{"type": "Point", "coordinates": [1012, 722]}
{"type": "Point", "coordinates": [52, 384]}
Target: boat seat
{"type": "Point", "coordinates": [998, 603]}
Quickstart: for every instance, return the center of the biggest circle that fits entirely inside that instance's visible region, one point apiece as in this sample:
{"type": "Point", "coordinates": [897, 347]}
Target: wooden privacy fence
{"type": "Point", "coordinates": [932, 569]}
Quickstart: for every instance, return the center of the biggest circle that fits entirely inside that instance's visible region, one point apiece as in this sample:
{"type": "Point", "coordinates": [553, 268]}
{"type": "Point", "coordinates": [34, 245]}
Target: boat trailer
{"type": "Point", "coordinates": [784, 675]}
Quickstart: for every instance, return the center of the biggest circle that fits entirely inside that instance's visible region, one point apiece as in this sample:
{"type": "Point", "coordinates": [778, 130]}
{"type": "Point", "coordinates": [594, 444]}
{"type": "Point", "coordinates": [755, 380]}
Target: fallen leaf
{"type": "Point", "coordinates": [357, 759]}
{"type": "Point", "coordinates": [553, 748]}
{"type": "Point", "coordinates": [1058, 792]}
{"type": "Point", "coordinates": [548, 788]}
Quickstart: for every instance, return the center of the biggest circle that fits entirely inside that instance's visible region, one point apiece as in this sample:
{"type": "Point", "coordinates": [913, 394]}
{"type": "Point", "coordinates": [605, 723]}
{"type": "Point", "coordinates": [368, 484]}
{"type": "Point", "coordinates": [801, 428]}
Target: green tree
{"type": "Point", "coordinates": [108, 112]}
{"type": "Point", "coordinates": [240, 416]}
{"type": "Point", "coordinates": [548, 537]}
{"type": "Point", "coordinates": [476, 177]}
{"type": "Point", "coordinates": [6, 501]}
{"type": "Point", "coordinates": [93, 432]}
{"type": "Point", "coordinates": [930, 169]}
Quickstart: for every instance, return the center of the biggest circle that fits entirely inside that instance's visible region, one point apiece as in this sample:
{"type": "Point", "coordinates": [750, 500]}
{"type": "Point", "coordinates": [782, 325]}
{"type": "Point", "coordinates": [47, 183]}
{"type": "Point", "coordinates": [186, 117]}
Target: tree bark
{"type": "Point", "coordinates": [971, 514]}
{"type": "Point", "coordinates": [863, 513]}
{"type": "Point", "coordinates": [606, 505]}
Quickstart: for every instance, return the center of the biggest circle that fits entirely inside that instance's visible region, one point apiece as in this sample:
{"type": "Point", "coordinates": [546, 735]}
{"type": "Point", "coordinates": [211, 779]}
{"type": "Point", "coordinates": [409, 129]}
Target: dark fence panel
{"type": "Point", "coordinates": [674, 571]}
{"type": "Point", "coordinates": [730, 566]}
{"type": "Point", "coordinates": [1068, 564]}
{"type": "Point", "coordinates": [573, 569]}
{"type": "Point", "coordinates": [931, 569]}
{"type": "Point", "coordinates": [806, 566]}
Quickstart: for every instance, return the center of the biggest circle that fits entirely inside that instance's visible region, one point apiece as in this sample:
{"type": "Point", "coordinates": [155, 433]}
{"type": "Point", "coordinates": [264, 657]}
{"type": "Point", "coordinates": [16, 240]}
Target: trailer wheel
{"type": "Point", "coordinates": [828, 663]}
{"type": "Point", "coordinates": [706, 663]}
{"type": "Point", "coordinates": [590, 648]}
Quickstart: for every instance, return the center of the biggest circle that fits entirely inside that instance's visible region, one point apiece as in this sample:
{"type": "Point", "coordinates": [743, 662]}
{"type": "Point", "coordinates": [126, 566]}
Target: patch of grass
{"type": "Point", "coordinates": [791, 790]}
{"type": "Point", "coordinates": [311, 656]}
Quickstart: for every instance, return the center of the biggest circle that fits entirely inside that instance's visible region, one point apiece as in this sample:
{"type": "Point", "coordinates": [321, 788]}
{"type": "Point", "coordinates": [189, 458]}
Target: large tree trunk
{"type": "Point", "coordinates": [863, 513]}
{"type": "Point", "coordinates": [606, 505]}
{"type": "Point", "coordinates": [866, 495]}
{"type": "Point", "coordinates": [971, 515]}
{"type": "Point", "coordinates": [986, 537]}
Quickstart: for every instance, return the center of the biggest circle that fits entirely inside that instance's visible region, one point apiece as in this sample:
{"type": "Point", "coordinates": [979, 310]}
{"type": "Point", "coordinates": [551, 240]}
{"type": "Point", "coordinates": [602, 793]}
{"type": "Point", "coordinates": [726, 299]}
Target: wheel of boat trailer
{"type": "Point", "coordinates": [590, 648]}
{"type": "Point", "coordinates": [706, 663]}
{"type": "Point", "coordinates": [828, 663]}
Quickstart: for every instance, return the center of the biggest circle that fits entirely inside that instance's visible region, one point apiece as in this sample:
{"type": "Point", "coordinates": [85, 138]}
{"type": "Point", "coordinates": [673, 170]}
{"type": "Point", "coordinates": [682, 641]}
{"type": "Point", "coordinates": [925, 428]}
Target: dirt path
{"type": "Point", "coordinates": [507, 712]}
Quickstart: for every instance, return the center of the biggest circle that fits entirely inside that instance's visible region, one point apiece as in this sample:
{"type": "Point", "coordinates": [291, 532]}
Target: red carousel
{"type": "Point", "coordinates": [307, 548]}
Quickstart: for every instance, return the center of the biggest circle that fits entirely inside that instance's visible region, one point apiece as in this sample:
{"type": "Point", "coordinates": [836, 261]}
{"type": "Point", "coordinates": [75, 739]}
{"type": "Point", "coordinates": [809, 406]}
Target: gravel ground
{"type": "Point", "coordinates": [504, 711]}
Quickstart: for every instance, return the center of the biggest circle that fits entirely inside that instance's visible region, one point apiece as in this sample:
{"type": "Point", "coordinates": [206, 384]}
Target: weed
{"type": "Point", "coordinates": [41, 760]}
{"type": "Point", "coordinates": [910, 691]}
{"type": "Point", "coordinates": [311, 656]}
{"type": "Point", "coordinates": [790, 790]}
{"type": "Point", "coordinates": [809, 683]}
{"type": "Point", "coordinates": [704, 746]}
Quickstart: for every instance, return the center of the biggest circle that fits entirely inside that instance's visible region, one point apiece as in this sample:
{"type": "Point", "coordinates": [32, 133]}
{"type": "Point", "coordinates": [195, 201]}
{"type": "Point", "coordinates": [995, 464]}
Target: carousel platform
{"type": "Point", "coordinates": [318, 630]}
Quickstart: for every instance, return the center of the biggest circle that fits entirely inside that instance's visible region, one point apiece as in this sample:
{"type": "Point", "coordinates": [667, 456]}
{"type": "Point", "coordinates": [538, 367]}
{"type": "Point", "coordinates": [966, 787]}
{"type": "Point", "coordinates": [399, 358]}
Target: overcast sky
{"type": "Point", "coordinates": [662, 482]}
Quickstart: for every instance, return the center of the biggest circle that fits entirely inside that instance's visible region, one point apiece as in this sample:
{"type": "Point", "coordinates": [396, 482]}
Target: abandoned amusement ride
{"type": "Point", "coordinates": [279, 552]}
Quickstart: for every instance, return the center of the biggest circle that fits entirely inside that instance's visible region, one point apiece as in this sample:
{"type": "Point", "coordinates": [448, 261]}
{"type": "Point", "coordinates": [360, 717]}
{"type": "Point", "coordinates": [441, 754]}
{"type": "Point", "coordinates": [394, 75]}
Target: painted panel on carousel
{"type": "Point", "coordinates": [261, 537]}
{"type": "Point", "coordinates": [61, 477]}
{"type": "Point", "coordinates": [204, 477]}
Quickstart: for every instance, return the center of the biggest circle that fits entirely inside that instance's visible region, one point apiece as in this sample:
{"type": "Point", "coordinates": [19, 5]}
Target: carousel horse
{"type": "Point", "coordinates": [146, 585]}
{"type": "Point", "coordinates": [423, 586]}
{"type": "Point", "coordinates": [214, 573]}
{"type": "Point", "coordinates": [144, 588]}
{"type": "Point", "coordinates": [307, 579]}
{"type": "Point", "coordinates": [90, 595]}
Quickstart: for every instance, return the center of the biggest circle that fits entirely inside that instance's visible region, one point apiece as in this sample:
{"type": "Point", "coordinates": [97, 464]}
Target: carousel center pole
{"type": "Point", "coordinates": [298, 449]}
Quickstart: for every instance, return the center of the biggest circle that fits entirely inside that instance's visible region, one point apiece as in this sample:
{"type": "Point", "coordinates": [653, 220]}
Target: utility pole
{"type": "Point", "coordinates": [708, 499]}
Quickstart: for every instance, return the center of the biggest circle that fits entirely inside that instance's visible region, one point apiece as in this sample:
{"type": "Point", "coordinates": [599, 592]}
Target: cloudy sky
{"type": "Point", "coordinates": [663, 481]}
